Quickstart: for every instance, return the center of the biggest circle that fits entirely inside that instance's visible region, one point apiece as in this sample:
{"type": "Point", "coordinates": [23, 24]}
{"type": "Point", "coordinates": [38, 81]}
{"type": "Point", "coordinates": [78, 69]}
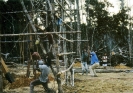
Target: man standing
{"type": "Point", "coordinates": [43, 79]}
{"type": "Point", "coordinates": [35, 56]}
{"type": "Point", "coordinates": [84, 60]}
{"type": "Point", "coordinates": [104, 60]}
{"type": "Point", "coordinates": [94, 64]}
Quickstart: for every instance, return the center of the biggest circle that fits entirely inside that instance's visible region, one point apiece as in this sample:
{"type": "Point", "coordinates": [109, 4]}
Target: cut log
{"type": "Point", "coordinates": [5, 70]}
{"type": "Point", "coordinates": [4, 66]}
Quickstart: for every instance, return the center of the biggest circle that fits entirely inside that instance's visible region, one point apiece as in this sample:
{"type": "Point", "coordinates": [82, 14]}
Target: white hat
{"type": "Point", "coordinates": [40, 62]}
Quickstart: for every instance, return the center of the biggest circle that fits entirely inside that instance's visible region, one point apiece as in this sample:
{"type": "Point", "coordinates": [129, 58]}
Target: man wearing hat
{"type": "Point", "coordinates": [43, 78]}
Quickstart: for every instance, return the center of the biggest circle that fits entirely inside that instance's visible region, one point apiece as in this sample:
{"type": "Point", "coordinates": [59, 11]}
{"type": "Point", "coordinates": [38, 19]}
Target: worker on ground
{"type": "Point", "coordinates": [94, 64]}
{"type": "Point", "coordinates": [104, 60]}
{"type": "Point", "coordinates": [84, 59]}
{"type": "Point", "coordinates": [35, 58]}
{"type": "Point", "coordinates": [43, 79]}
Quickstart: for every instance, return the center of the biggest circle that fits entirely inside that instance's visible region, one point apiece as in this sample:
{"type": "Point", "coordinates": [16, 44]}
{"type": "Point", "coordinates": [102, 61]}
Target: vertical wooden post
{"type": "Point", "coordinates": [58, 69]}
{"type": "Point", "coordinates": [1, 80]}
{"type": "Point", "coordinates": [129, 35]}
{"type": "Point", "coordinates": [71, 49]}
{"type": "Point", "coordinates": [78, 25]}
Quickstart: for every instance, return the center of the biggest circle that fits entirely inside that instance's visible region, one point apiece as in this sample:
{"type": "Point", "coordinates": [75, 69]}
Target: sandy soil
{"type": "Point", "coordinates": [121, 82]}
{"type": "Point", "coordinates": [104, 83]}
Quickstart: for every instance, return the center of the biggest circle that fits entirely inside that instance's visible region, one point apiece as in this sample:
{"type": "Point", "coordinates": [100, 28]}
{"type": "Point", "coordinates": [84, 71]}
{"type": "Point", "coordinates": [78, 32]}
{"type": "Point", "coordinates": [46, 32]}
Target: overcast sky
{"type": "Point", "coordinates": [117, 4]}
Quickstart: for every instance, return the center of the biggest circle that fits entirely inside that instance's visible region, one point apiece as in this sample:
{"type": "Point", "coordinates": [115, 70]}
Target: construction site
{"type": "Point", "coordinates": [61, 29]}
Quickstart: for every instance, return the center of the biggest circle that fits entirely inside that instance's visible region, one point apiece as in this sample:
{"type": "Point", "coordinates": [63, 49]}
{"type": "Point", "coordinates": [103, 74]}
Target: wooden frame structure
{"type": "Point", "coordinates": [58, 33]}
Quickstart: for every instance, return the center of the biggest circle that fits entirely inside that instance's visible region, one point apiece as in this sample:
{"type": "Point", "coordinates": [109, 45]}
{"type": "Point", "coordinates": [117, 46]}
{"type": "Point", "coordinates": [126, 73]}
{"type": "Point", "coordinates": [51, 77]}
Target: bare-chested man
{"type": "Point", "coordinates": [35, 57]}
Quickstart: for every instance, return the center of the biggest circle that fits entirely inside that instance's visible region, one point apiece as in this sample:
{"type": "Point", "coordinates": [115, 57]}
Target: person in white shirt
{"type": "Point", "coordinates": [43, 79]}
{"type": "Point", "coordinates": [104, 60]}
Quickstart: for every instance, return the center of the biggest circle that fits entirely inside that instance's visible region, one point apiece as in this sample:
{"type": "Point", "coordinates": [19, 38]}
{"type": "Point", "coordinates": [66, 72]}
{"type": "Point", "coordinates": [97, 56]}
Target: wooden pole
{"type": "Point", "coordinates": [64, 10]}
{"type": "Point", "coordinates": [1, 80]}
{"type": "Point", "coordinates": [71, 49]}
{"type": "Point", "coordinates": [78, 28]}
{"type": "Point", "coordinates": [61, 72]}
{"type": "Point", "coordinates": [25, 34]}
{"type": "Point", "coordinates": [41, 11]}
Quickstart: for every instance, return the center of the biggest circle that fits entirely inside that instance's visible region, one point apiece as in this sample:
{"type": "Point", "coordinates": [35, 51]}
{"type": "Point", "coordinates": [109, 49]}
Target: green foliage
{"type": "Point", "coordinates": [101, 25]}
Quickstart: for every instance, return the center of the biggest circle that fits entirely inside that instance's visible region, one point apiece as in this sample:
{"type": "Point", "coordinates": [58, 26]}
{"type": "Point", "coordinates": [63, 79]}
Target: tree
{"type": "Point", "coordinates": [104, 29]}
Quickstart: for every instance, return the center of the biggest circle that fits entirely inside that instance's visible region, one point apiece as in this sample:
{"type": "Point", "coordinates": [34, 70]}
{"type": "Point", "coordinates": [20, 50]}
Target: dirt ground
{"type": "Point", "coordinates": [120, 82]}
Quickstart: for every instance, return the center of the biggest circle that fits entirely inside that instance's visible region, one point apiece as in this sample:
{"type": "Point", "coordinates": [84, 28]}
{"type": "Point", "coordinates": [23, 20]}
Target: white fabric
{"type": "Point", "coordinates": [44, 73]}
{"type": "Point", "coordinates": [92, 69]}
{"type": "Point", "coordinates": [40, 62]}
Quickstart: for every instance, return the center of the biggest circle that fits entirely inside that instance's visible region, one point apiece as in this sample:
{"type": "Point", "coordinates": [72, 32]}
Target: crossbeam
{"type": "Point", "coordinates": [43, 40]}
{"type": "Point", "coordinates": [68, 53]}
{"type": "Point", "coordinates": [25, 34]}
{"type": "Point", "coordinates": [42, 11]}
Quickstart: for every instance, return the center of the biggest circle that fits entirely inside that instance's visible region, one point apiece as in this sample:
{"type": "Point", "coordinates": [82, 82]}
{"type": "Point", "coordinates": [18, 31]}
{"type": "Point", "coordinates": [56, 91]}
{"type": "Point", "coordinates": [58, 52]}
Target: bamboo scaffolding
{"type": "Point", "coordinates": [28, 16]}
{"type": "Point", "coordinates": [32, 25]}
{"type": "Point", "coordinates": [66, 53]}
{"type": "Point", "coordinates": [67, 14]}
{"type": "Point", "coordinates": [25, 34]}
{"type": "Point", "coordinates": [42, 11]}
{"type": "Point", "coordinates": [34, 40]}
{"type": "Point", "coordinates": [50, 6]}
{"type": "Point", "coordinates": [15, 41]}
{"type": "Point", "coordinates": [61, 72]}
{"type": "Point", "coordinates": [65, 23]}
{"type": "Point", "coordinates": [64, 38]}
{"type": "Point", "coordinates": [64, 10]}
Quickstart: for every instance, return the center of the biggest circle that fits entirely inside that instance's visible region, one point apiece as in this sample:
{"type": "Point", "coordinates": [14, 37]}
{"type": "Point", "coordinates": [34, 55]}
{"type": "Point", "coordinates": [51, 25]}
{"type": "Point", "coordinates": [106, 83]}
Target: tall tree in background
{"type": "Point", "coordinates": [109, 32]}
{"type": "Point", "coordinates": [104, 27]}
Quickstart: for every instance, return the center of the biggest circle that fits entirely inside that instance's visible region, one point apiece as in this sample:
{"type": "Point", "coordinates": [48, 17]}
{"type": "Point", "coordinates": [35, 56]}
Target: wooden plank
{"type": "Point", "coordinates": [4, 66]}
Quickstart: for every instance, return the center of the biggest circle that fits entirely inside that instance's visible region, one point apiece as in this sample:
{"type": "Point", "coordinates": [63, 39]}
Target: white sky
{"type": "Point", "coordinates": [115, 9]}
{"type": "Point", "coordinates": [117, 5]}
{"type": "Point", "coordinates": [5, 0]}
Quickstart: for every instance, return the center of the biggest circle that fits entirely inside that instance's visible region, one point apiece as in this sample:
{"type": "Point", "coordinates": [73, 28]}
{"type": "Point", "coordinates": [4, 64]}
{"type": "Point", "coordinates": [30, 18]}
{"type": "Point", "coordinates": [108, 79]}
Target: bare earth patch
{"type": "Point", "coordinates": [121, 82]}
{"type": "Point", "coordinates": [105, 83]}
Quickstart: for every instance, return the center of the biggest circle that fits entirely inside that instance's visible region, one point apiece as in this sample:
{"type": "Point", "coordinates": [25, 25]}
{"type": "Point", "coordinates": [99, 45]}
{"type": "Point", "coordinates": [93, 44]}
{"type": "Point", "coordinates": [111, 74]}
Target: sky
{"type": "Point", "coordinates": [5, 0]}
{"type": "Point", "coordinates": [117, 5]}
{"type": "Point", "coordinates": [115, 9]}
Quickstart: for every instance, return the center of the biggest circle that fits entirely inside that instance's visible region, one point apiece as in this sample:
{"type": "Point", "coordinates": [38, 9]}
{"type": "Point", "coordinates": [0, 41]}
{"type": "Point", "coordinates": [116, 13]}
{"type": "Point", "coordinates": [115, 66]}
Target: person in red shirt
{"type": "Point", "coordinates": [35, 57]}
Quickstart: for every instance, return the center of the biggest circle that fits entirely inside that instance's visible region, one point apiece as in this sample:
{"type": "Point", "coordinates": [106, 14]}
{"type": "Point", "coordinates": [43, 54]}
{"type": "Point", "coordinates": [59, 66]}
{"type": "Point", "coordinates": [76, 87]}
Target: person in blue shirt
{"type": "Point", "coordinates": [84, 59]}
{"type": "Point", "coordinates": [94, 64]}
